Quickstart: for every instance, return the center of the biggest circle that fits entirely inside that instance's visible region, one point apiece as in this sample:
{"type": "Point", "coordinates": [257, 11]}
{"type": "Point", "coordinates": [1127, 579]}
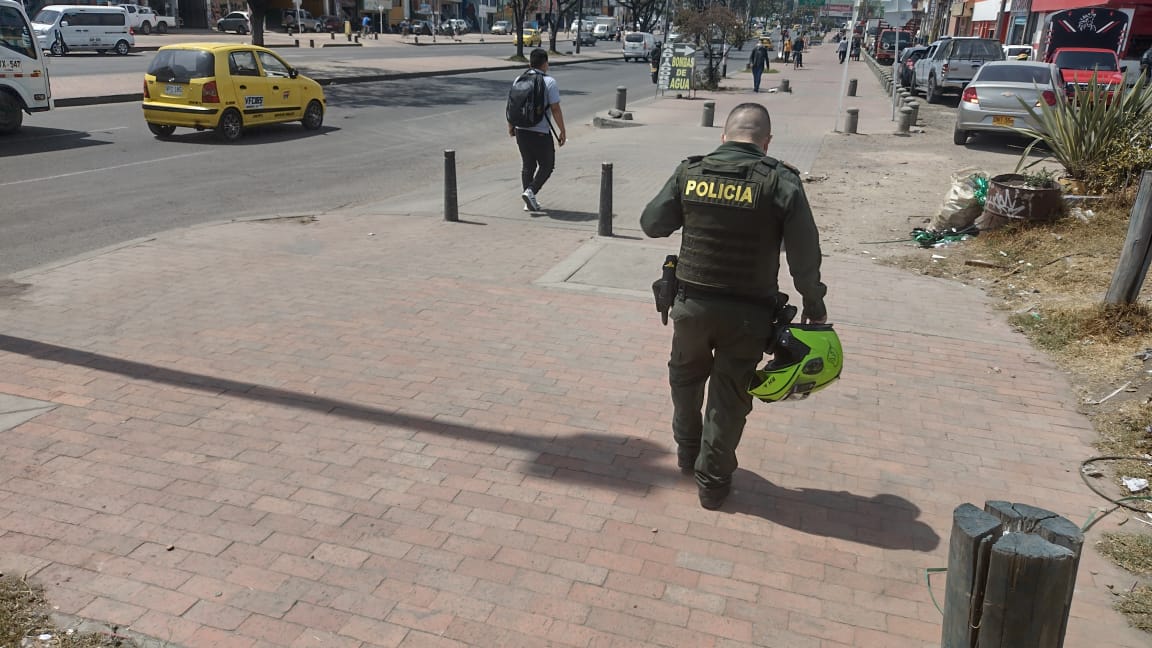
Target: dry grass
{"type": "Point", "coordinates": [24, 617]}
{"type": "Point", "coordinates": [1052, 278]}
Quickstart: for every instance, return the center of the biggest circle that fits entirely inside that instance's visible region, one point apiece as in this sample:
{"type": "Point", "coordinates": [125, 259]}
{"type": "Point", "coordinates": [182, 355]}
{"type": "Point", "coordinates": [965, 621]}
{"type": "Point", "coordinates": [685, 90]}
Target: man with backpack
{"type": "Point", "coordinates": [533, 96]}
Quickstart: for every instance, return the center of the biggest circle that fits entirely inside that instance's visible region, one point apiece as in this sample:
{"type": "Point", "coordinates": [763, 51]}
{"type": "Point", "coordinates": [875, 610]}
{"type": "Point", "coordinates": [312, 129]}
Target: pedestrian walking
{"type": "Point", "coordinates": [738, 208]}
{"type": "Point", "coordinates": [842, 49]}
{"type": "Point", "coordinates": [537, 155]}
{"type": "Point", "coordinates": [365, 25]}
{"type": "Point", "coordinates": [855, 55]}
{"type": "Point", "coordinates": [787, 49]}
{"type": "Point", "coordinates": [758, 61]}
{"type": "Point", "coordinates": [798, 53]}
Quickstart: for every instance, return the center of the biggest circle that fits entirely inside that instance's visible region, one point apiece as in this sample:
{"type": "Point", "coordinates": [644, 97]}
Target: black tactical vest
{"type": "Point", "coordinates": [732, 231]}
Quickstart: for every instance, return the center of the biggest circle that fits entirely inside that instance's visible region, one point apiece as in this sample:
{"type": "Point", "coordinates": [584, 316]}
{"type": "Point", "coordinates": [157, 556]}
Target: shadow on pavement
{"type": "Point", "coordinates": [422, 92]}
{"type": "Point", "coordinates": [252, 136]}
{"type": "Point", "coordinates": [34, 139]}
{"type": "Point", "coordinates": [604, 461]}
{"type": "Point", "coordinates": [568, 216]}
{"type": "Point", "coordinates": [887, 521]}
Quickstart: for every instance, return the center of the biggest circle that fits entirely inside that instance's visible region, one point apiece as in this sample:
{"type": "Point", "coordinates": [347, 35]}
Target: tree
{"type": "Point", "coordinates": [563, 9]}
{"type": "Point", "coordinates": [710, 29]}
{"type": "Point", "coordinates": [259, 11]}
{"type": "Point", "coordinates": [520, 9]}
{"type": "Point", "coordinates": [643, 12]}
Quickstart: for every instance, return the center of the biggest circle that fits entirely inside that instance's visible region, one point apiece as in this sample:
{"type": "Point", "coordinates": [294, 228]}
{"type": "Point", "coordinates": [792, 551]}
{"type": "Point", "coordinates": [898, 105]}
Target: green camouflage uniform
{"type": "Point", "coordinates": [737, 208]}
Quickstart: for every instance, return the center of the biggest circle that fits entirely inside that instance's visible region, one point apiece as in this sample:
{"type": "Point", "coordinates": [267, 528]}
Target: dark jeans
{"type": "Point", "coordinates": [798, 58]}
{"type": "Point", "coordinates": [756, 73]}
{"type": "Point", "coordinates": [843, 54]}
{"type": "Point", "coordinates": [538, 156]}
{"type": "Point", "coordinates": [717, 342]}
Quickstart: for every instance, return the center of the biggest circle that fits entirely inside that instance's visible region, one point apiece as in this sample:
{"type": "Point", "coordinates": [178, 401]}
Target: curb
{"type": "Point", "coordinates": [72, 102]}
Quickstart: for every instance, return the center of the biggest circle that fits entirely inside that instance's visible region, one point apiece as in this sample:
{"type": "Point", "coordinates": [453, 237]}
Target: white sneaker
{"type": "Point", "coordinates": [539, 207]}
{"type": "Point", "coordinates": [530, 201]}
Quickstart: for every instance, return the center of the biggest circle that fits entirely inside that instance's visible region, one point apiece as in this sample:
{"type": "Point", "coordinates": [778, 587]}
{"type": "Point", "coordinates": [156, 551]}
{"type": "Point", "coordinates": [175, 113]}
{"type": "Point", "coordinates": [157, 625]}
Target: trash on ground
{"type": "Point", "coordinates": [1091, 471]}
{"type": "Point", "coordinates": [1118, 390]}
{"type": "Point", "coordinates": [1134, 484]}
{"type": "Point", "coordinates": [965, 200]}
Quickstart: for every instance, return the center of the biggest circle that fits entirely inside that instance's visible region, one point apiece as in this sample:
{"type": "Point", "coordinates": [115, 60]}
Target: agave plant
{"type": "Point", "coordinates": [1081, 132]}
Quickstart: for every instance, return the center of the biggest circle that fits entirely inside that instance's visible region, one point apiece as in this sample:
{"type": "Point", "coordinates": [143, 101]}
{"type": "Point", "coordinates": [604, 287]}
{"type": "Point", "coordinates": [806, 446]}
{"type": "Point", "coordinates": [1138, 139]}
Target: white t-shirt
{"type": "Point", "coordinates": [552, 96]}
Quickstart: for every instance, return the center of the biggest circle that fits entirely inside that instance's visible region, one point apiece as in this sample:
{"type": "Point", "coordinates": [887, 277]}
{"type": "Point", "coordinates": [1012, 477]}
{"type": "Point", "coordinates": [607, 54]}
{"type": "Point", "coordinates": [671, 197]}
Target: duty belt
{"type": "Point", "coordinates": [691, 291]}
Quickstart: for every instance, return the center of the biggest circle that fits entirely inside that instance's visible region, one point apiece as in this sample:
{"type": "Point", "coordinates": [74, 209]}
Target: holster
{"type": "Point", "coordinates": [785, 313]}
{"type": "Point", "coordinates": [665, 288]}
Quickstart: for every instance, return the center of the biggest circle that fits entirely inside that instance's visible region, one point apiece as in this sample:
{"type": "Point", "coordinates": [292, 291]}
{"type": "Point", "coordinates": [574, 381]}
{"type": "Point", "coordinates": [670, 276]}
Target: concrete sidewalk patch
{"type": "Point", "coordinates": [15, 410]}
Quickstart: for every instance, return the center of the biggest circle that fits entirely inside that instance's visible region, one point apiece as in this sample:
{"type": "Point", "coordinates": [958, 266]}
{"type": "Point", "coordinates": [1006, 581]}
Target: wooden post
{"type": "Point", "coordinates": [1134, 258]}
{"type": "Point", "coordinates": [1011, 576]}
{"type": "Point", "coordinates": [1029, 580]}
{"type": "Point", "coordinates": [973, 532]}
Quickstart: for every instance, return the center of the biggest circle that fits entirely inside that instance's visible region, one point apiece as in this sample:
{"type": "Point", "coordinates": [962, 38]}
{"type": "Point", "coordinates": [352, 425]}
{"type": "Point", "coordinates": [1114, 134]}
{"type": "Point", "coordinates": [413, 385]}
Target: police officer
{"type": "Point", "coordinates": [737, 208]}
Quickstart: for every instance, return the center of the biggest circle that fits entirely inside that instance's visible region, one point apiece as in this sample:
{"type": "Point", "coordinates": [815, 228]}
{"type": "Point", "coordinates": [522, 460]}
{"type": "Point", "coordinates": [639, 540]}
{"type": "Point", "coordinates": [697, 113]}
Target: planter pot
{"type": "Point", "coordinates": [1009, 200]}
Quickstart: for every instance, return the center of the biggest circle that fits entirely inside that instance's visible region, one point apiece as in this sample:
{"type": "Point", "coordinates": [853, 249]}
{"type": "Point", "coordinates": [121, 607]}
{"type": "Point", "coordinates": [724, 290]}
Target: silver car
{"type": "Point", "coordinates": [991, 102]}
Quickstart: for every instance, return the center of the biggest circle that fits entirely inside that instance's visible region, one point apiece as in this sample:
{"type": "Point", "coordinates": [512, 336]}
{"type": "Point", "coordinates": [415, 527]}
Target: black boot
{"type": "Point", "coordinates": [686, 459]}
{"type": "Point", "coordinates": [713, 498]}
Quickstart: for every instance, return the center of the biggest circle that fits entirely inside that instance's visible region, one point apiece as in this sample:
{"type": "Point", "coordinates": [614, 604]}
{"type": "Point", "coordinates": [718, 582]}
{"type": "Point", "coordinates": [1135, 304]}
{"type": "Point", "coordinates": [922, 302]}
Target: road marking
{"type": "Point", "coordinates": [109, 168]}
{"type": "Point", "coordinates": [450, 112]}
{"type": "Point", "coordinates": [79, 133]}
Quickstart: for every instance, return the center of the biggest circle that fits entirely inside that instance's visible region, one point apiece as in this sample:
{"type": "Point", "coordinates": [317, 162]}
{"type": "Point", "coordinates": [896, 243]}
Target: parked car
{"type": "Point", "coordinates": [1016, 51]}
{"type": "Point", "coordinates": [501, 27]}
{"type": "Point", "coordinates": [888, 44]}
{"type": "Point", "coordinates": [1079, 65]}
{"type": "Point", "coordinates": [907, 67]}
{"type": "Point", "coordinates": [995, 99]}
{"type": "Point", "coordinates": [144, 20]}
{"type": "Point", "coordinates": [331, 23]}
{"type": "Point", "coordinates": [421, 28]}
{"type": "Point", "coordinates": [237, 21]}
{"type": "Point", "coordinates": [68, 28]}
{"type": "Point", "coordinates": [307, 21]}
{"type": "Point", "coordinates": [227, 88]}
{"type": "Point", "coordinates": [951, 63]}
{"type": "Point", "coordinates": [531, 38]}
{"type": "Point", "coordinates": [457, 25]}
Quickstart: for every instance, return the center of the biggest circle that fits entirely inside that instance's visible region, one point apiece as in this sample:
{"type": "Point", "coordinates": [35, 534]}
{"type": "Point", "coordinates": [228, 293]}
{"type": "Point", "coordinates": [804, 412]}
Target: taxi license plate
{"type": "Point", "coordinates": [1003, 120]}
{"type": "Point", "coordinates": [174, 90]}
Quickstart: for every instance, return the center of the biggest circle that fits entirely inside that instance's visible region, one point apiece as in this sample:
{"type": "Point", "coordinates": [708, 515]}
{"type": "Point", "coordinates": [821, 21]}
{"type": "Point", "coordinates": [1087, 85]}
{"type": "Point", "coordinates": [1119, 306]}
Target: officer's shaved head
{"type": "Point", "coordinates": [748, 122]}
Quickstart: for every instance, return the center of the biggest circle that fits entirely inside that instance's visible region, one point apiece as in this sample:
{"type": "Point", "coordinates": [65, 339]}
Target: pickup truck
{"type": "Point", "coordinates": [951, 63]}
{"type": "Point", "coordinates": [1078, 65]}
{"type": "Point", "coordinates": [143, 20]}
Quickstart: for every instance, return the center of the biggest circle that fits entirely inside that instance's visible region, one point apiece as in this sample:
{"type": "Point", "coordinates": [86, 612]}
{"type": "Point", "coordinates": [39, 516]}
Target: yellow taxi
{"type": "Point", "coordinates": [531, 37]}
{"type": "Point", "coordinates": [766, 41]}
{"type": "Point", "coordinates": [227, 88]}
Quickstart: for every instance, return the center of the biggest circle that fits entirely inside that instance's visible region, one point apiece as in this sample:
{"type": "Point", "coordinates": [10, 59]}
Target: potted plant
{"type": "Point", "coordinates": [1025, 197]}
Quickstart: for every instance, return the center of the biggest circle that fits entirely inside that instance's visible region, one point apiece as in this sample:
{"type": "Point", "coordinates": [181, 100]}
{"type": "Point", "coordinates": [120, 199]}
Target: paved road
{"type": "Point", "coordinates": [80, 190]}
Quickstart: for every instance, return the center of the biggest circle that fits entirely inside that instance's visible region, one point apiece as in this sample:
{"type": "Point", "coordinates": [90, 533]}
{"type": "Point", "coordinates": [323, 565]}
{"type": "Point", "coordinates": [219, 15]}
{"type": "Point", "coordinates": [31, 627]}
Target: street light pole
{"type": "Point", "coordinates": [579, 22]}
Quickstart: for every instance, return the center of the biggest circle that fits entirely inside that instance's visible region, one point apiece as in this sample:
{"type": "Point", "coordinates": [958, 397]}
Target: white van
{"type": "Point", "coordinates": [638, 45]}
{"type": "Point", "coordinates": [72, 28]}
{"type": "Point", "coordinates": [24, 85]}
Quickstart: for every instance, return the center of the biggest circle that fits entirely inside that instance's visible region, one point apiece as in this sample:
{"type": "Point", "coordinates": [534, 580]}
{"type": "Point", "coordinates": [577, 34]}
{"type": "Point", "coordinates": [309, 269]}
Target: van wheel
{"type": "Point", "coordinates": [145, 28]}
{"type": "Point", "coordinates": [161, 131]}
{"type": "Point", "coordinates": [11, 116]}
{"type": "Point", "coordinates": [161, 28]}
{"type": "Point", "coordinates": [231, 125]}
{"type": "Point", "coordinates": [57, 49]}
{"type": "Point", "coordinates": [122, 48]}
{"type": "Point", "coordinates": [313, 116]}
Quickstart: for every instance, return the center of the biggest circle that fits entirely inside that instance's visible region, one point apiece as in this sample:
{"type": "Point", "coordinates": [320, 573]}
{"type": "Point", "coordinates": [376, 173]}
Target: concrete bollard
{"type": "Point", "coordinates": [333, 35]}
{"type": "Point", "coordinates": [605, 225]}
{"type": "Point", "coordinates": [851, 87]}
{"type": "Point", "coordinates": [785, 86]}
{"type": "Point", "coordinates": [709, 115]}
{"type": "Point", "coordinates": [621, 98]}
{"type": "Point", "coordinates": [914, 106]}
{"type": "Point", "coordinates": [904, 122]}
{"type": "Point", "coordinates": [852, 120]}
{"type": "Point", "coordinates": [311, 42]}
{"type": "Point", "coordinates": [295, 42]}
{"type": "Point", "coordinates": [451, 213]}
{"type": "Point", "coordinates": [376, 36]}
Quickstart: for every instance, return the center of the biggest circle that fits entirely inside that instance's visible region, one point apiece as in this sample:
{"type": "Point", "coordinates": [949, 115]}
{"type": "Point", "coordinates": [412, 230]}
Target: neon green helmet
{"type": "Point", "coordinates": [807, 359]}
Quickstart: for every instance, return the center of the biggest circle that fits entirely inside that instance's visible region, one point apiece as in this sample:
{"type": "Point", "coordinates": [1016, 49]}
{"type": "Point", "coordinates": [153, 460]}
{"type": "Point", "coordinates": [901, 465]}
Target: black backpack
{"type": "Point", "coordinates": [527, 100]}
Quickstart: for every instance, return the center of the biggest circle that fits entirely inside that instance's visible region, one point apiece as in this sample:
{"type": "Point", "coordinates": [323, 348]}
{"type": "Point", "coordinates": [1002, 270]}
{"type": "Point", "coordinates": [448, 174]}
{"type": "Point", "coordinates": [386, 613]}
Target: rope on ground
{"type": "Point", "coordinates": [1119, 503]}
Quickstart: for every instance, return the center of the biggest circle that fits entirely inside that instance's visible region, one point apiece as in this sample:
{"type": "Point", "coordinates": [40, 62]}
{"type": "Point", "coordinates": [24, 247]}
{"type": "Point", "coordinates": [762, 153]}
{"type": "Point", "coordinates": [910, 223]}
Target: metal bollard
{"type": "Point", "coordinates": [621, 98]}
{"type": "Point", "coordinates": [784, 86]}
{"type": "Point", "coordinates": [852, 120]}
{"type": "Point", "coordinates": [296, 42]}
{"type": "Point", "coordinates": [333, 35]}
{"type": "Point", "coordinates": [905, 121]}
{"type": "Point", "coordinates": [376, 36]}
{"type": "Point", "coordinates": [851, 87]}
{"type": "Point", "coordinates": [605, 227]}
{"type": "Point", "coordinates": [709, 114]}
{"type": "Point", "coordinates": [451, 213]}
{"type": "Point", "coordinates": [311, 42]}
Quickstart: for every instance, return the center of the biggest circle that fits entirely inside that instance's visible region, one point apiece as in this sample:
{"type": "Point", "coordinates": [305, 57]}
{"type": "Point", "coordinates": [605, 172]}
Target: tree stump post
{"type": "Point", "coordinates": [1011, 577]}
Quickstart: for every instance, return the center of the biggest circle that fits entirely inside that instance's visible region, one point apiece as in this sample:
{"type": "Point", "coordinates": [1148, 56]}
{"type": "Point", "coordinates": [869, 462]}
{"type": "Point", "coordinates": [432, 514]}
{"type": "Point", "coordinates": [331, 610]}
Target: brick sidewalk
{"type": "Point", "coordinates": [381, 429]}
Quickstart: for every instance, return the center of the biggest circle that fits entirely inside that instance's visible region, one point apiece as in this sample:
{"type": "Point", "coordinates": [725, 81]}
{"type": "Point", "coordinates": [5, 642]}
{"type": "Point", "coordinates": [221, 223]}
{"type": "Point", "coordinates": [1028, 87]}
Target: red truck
{"type": "Point", "coordinates": [1084, 43]}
